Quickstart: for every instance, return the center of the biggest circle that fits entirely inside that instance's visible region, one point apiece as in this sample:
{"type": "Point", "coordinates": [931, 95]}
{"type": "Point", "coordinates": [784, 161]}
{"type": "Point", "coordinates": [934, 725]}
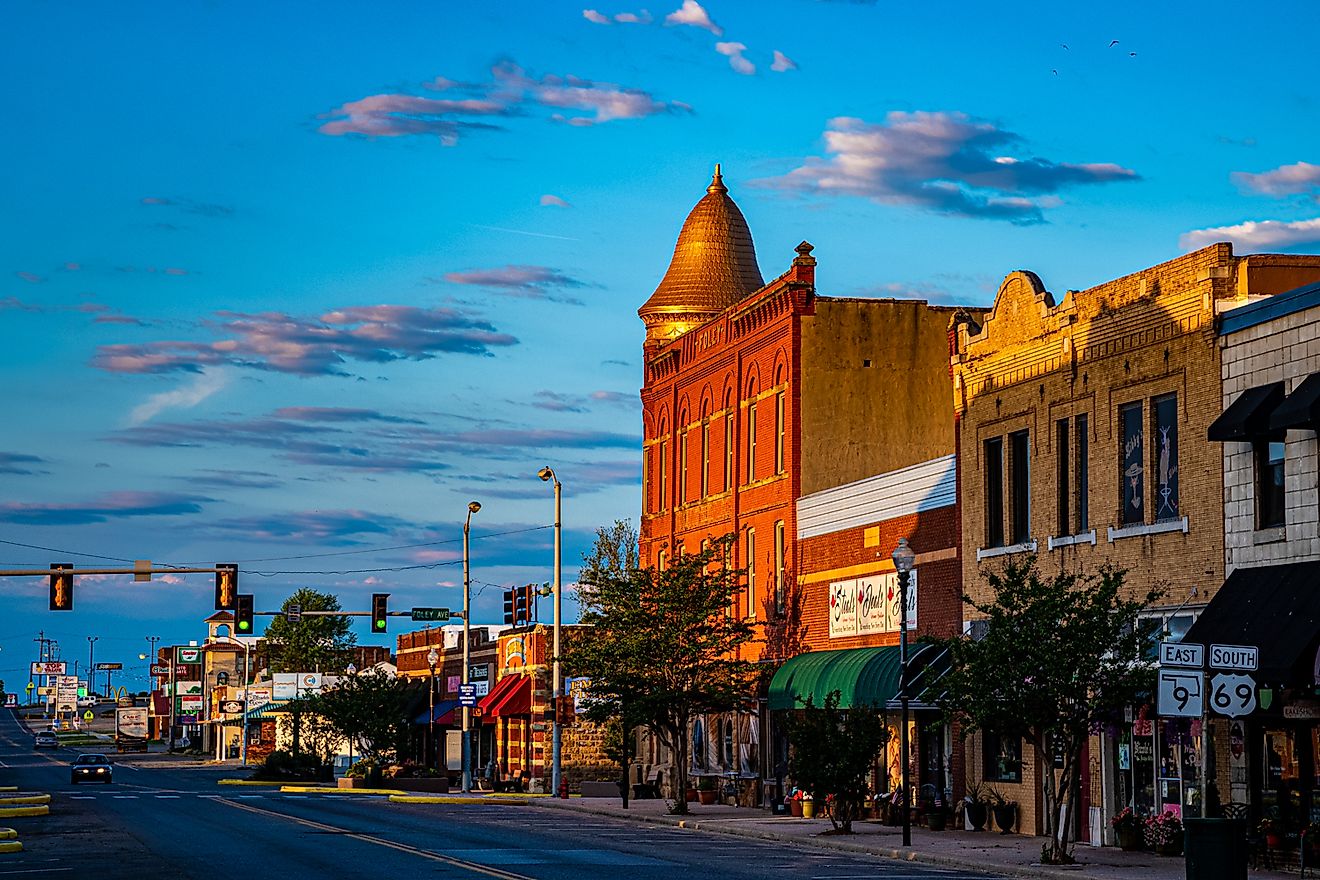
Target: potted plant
{"type": "Point", "coordinates": [795, 803]}
{"type": "Point", "coordinates": [1127, 829]}
{"type": "Point", "coordinates": [356, 775]}
{"type": "Point", "coordinates": [808, 807]}
{"type": "Point", "coordinates": [976, 805]}
{"type": "Point", "coordinates": [935, 812]}
{"type": "Point", "coordinates": [1272, 832]}
{"type": "Point", "coordinates": [706, 790]}
{"type": "Point", "coordinates": [1164, 834]}
{"type": "Point", "coordinates": [883, 807]}
{"type": "Point", "coordinates": [1004, 810]}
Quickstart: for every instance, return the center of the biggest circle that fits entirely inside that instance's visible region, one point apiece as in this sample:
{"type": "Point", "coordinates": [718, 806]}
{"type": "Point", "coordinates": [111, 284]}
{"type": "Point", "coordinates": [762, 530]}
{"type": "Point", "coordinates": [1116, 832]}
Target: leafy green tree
{"type": "Point", "coordinates": [833, 751]}
{"type": "Point", "coordinates": [1061, 653]}
{"type": "Point", "coordinates": [313, 644]}
{"type": "Point", "coordinates": [661, 645]}
{"type": "Point", "coordinates": [371, 710]}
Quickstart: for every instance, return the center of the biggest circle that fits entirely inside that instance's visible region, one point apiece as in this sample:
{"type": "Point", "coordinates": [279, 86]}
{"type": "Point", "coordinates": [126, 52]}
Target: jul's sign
{"type": "Point", "coordinates": [870, 605]}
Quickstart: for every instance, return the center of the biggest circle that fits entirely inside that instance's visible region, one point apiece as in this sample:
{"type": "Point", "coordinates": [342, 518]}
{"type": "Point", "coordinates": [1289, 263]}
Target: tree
{"type": "Point", "coordinates": [371, 710]}
{"type": "Point", "coordinates": [833, 751]}
{"type": "Point", "coordinates": [1061, 653]}
{"type": "Point", "coordinates": [662, 646]}
{"type": "Point", "coordinates": [312, 644]}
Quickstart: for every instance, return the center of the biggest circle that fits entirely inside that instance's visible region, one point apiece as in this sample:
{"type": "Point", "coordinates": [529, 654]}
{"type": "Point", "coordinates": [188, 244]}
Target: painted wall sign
{"type": "Point", "coordinates": [870, 605]}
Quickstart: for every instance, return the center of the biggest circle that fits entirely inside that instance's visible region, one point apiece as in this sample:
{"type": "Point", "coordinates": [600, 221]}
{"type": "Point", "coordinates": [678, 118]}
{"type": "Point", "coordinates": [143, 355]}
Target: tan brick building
{"type": "Point", "coordinates": [1081, 423]}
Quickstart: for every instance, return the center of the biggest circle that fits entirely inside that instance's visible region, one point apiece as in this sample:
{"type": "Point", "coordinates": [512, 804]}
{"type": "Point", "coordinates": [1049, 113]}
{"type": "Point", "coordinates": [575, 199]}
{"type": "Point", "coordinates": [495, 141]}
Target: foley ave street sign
{"type": "Point", "coordinates": [430, 614]}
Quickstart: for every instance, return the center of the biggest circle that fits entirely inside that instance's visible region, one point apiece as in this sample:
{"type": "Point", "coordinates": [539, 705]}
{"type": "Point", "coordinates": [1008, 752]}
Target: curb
{"type": "Point", "coordinates": [247, 782]}
{"type": "Point", "coordinates": [8, 788]}
{"type": "Point", "coordinates": [8, 846]}
{"type": "Point", "coordinates": [24, 799]}
{"type": "Point", "coordinates": [310, 789]}
{"type": "Point", "coordinates": [8, 834]}
{"type": "Point", "coordinates": [422, 799]}
{"type": "Point", "coordinates": [7, 812]}
{"type": "Point", "coordinates": [835, 845]}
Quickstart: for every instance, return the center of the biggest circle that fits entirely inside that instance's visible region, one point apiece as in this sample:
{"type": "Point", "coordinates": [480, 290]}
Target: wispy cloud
{"type": "Point", "coordinates": [734, 52]}
{"type": "Point", "coordinates": [551, 201]}
{"type": "Point", "coordinates": [556, 401]}
{"type": "Point", "coordinates": [190, 206]}
{"type": "Point", "coordinates": [1286, 180]}
{"type": "Point", "coordinates": [533, 282]}
{"type": "Point", "coordinates": [29, 277]}
{"type": "Point", "coordinates": [202, 386]}
{"type": "Point", "coordinates": [21, 463]}
{"type": "Point", "coordinates": [944, 162]}
{"type": "Point", "coordinates": [103, 508]}
{"type": "Point", "coordinates": [782, 63]}
{"type": "Point", "coordinates": [314, 346]}
{"type": "Point", "coordinates": [333, 527]}
{"type": "Point", "coordinates": [340, 414]}
{"type": "Point", "coordinates": [692, 14]}
{"type": "Point", "coordinates": [511, 91]}
{"type": "Point", "coordinates": [1257, 235]}
{"type": "Point", "coordinates": [596, 17]}
{"type": "Point", "coordinates": [222, 478]}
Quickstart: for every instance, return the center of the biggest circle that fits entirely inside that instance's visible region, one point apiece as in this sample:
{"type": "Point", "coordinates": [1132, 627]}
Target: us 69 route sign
{"type": "Point", "coordinates": [1181, 693]}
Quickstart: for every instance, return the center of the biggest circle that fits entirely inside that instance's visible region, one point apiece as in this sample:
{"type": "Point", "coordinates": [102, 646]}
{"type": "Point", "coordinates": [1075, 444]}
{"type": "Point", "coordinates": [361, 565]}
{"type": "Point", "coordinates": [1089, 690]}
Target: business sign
{"type": "Point", "coordinates": [1232, 694]}
{"type": "Point", "coordinates": [49, 667]}
{"type": "Point", "coordinates": [579, 690]}
{"type": "Point", "coordinates": [870, 605]}
{"type": "Point", "coordinates": [467, 695]}
{"type": "Point", "coordinates": [285, 685]}
{"type": "Point", "coordinates": [190, 704]}
{"type": "Point", "coordinates": [66, 693]}
{"type": "Point", "coordinates": [159, 671]}
{"type": "Point", "coordinates": [102, 667]}
{"type": "Point", "coordinates": [259, 696]}
{"type": "Point", "coordinates": [11, 700]}
{"type": "Point", "coordinates": [131, 723]}
{"type": "Point", "coordinates": [1185, 654]}
{"type": "Point", "coordinates": [452, 682]}
{"type": "Point", "coordinates": [479, 675]}
{"type": "Point", "coordinates": [1243, 657]}
{"type": "Point", "coordinates": [231, 707]}
{"type": "Point", "coordinates": [309, 681]}
{"type": "Point", "coordinates": [188, 656]}
{"type": "Point", "coordinates": [1181, 693]}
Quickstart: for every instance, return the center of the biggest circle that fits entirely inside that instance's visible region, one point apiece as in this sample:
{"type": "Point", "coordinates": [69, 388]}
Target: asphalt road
{"type": "Point", "coordinates": [168, 820]}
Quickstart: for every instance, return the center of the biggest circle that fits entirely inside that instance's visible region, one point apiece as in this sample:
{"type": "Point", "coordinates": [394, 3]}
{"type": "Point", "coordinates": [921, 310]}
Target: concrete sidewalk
{"type": "Point", "coordinates": [1013, 855]}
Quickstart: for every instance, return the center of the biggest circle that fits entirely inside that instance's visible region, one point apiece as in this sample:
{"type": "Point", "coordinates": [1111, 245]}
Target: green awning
{"type": "Point", "coordinates": [862, 676]}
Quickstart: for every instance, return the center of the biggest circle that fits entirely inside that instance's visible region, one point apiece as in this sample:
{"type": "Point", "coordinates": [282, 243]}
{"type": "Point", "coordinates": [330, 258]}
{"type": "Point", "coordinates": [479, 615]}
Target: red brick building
{"type": "Point", "coordinates": [815, 429]}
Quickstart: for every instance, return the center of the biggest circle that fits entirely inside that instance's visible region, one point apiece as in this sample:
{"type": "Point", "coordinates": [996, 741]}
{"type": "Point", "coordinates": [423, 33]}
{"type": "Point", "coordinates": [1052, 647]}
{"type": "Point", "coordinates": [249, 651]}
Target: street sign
{"type": "Point", "coordinates": [188, 655]}
{"type": "Point", "coordinates": [467, 695]}
{"type": "Point", "coordinates": [1244, 657]}
{"type": "Point", "coordinates": [293, 614]}
{"type": "Point", "coordinates": [49, 667]}
{"type": "Point", "coordinates": [1182, 654]}
{"type": "Point", "coordinates": [88, 716]}
{"type": "Point", "coordinates": [1232, 694]}
{"type": "Point", "coordinates": [430, 614]}
{"type": "Point", "coordinates": [1181, 693]}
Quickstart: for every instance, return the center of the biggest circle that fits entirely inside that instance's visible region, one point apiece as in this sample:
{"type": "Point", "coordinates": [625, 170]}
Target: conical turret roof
{"type": "Point", "coordinates": [714, 263]}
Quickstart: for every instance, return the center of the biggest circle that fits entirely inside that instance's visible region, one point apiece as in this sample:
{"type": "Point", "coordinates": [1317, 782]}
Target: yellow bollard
{"type": "Point", "coordinates": [808, 808]}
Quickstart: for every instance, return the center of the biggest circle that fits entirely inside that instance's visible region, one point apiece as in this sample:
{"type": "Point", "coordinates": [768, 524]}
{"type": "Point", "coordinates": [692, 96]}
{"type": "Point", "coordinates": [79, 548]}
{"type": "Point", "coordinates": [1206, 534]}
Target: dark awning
{"type": "Point", "coordinates": [511, 696]}
{"type": "Point", "coordinates": [1277, 609]}
{"type": "Point", "coordinates": [443, 708]}
{"type": "Point", "coordinates": [1299, 409]}
{"type": "Point", "coordinates": [862, 676]}
{"type": "Point", "coordinates": [1249, 415]}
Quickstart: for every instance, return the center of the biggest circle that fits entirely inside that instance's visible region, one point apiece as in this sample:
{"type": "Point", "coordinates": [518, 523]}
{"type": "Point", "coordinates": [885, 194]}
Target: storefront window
{"type": "Point", "coordinates": [1281, 792]}
{"type": "Point", "coordinates": [1003, 758]}
{"type": "Point", "coordinates": [1143, 770]}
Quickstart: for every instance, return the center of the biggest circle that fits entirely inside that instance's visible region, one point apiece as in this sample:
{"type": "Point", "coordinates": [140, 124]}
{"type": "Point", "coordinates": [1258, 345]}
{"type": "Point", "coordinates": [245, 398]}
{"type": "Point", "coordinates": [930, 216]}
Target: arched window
{"type": "Point", "coordinates": [729, 415]}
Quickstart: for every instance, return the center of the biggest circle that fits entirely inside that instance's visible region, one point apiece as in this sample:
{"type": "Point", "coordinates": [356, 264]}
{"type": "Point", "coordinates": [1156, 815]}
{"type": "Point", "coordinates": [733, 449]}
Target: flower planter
{"type": "Point", "coordinates": [691, 795]}
{"type": "Point", "coordinates": [795, 808]}
{"type": "Point", "coordinates": [937, 820]}
{"type": "Point", "coordinates": [808, 809]}
{"type": "Point", "coordinates": [706, 797]}
{"type": "Point", "coordinates": [430, 784]}
{"type": "Point", "coordinates": [352, 782]}
{"type": "Point", "coordinates": [1129, 839]}
{"type": "Point", "coordinates": [1172, 848]}
{"type": "Point", "coordinates": [977, 814]}
{"type": "Point", "coordinates": [1005, 817]}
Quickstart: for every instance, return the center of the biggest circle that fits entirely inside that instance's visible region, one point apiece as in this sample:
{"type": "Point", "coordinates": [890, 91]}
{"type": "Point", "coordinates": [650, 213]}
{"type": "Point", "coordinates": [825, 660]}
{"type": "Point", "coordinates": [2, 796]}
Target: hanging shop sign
{"type": "Point", "coordinates": [871, 605]}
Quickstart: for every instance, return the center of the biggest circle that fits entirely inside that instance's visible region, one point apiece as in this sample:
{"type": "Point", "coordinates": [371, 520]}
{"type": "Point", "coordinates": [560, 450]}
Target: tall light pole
{"type": "Point", "coordinates": [91, 667]}
{"type": "Point", "coordinates": [903, 559]}
{"type": "Point", "coordinates": [557, 769]}
{"type": "Point", "coordinates": [432, 658]}
{"type": "Point", "coordinates": [152, 640]}
{"type": "Point", "coordinates": [473, 507]}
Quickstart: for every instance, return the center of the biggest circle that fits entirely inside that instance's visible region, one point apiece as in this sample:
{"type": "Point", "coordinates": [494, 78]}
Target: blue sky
{"type": "Point", "coordinates": [302, 279]}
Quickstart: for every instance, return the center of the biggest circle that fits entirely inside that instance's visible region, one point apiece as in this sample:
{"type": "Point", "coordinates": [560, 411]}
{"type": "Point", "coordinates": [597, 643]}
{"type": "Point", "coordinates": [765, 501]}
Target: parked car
{"type": "Point", "coordinates": [86, 702]}
{"type": "Point", "coordinates": [45, 740]}
{"type": "Point", "coordinates": [91, 768]}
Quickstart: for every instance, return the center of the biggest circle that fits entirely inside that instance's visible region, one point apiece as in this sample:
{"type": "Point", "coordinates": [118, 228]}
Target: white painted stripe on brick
{"type": "Point", "coordinates": [919, 487]}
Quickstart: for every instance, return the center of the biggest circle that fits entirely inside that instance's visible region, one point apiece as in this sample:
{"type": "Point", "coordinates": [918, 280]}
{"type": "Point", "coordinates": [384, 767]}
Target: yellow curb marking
{"type": "Point", "coordinates": [272, 784]}
{"type": "Point", "coordinates": [309, 789]}
{"type": "Point", "coordinates": [422, 799]}
{"type": "Point", "coordinates": [26, 799]}
{"type": "Point", "coordinates": [10, 846]}
{"type": "Point", "coordinates": [8, 834]}
{"type": "Point", "coordinates": [42, 810]}
{"type": "Point", "coordinates": [380, 841]}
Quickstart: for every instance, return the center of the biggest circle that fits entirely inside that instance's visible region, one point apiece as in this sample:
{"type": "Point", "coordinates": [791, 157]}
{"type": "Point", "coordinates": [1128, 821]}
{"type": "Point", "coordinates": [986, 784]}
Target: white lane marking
{"type": "Point", "coordinates": [167, 797]}
{"type": "Point", "coordinates": [295, 797]}
{"type": "Point", "coordinates": [82, 797]}
{"type": "Point", "coordinates": [33, 871]}
{"type": "Point", "coordinates": [248, 797]}
{"type": "Point", "coordinates": [125, 797]}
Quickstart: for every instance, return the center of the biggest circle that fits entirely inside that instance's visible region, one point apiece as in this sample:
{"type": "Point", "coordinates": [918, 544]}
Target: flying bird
{"type": "Point", "coordinates": [1113, 43]}
{"type": "Point", "coordinates": [1055, 72]}
{"type": "Point", "coordinates": [1132, 54]}
{"type": "Point", "coordinates": [1064, 45]}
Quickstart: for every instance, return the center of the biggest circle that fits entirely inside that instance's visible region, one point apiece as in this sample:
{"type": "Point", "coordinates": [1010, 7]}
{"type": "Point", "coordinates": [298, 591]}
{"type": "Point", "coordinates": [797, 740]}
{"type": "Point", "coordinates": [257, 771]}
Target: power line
{"type": "Point", "coordinates": [75, 552]}
{"type": "Point", "coordinates": [394, 547]}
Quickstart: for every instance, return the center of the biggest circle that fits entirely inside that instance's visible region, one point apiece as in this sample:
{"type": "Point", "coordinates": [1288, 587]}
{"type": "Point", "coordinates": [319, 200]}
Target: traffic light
{"type": "Point", "coordinates": [380, 605]}
{"type": "Point", "coordinates": [226, 585]}
{"type": "Point", "coordinates": [243, 614]}
{"type": "Point", "coordinates": [529, 607]}
{"type": "Point", "coordinates": [61, 586]}
{"type": "Point", "coordinates": [508, 607]}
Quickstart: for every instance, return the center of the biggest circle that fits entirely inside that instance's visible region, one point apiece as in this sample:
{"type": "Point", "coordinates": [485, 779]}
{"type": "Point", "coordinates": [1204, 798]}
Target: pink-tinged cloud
{"type": "Point", "coordinates": [642, 17]}
{"type": "Point", "coordinates": [533, 282]}
{"type": "Point", "coordinates": [734, 52]}
{"type": "Point", "coordinates": [782, 63]}
{"type": "Point", "coordinates": [113, 505]}
{"type": "Point", "coordinates": [30, 277]}
{"type": "Point", "coordinates": [595, 17]}
{"type": "Point", "coordinates": [550, 201]}
{"type": "Point", "coordinates": [945, 162]}
{"type": "Point", "coordinates": [71, 267]}
{"type": "Point", "coordinates": [335, 527]}
{"type": "Point", "coordinates": [395, 115]}
{"type": "Point", "coordinates": [313, 346]}
{"type": "Point", "coordinates": [1257, 235]}
{"type": "Point", "coordinates": [692, 14]}
{"type": "Point", "coordinates": [604, 102]}
{"type": "Point", "coordinates": [1286, 180]}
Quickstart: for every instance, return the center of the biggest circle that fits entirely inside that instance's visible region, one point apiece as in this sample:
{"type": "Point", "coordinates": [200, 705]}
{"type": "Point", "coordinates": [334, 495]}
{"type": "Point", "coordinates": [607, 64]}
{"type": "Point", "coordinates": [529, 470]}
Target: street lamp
{"type": "Point", "coordinates": [432, 658]}
{"type": "Point", "coordinates": [473, 507]}
{"type": "Point", "coordinates": [557, 769]}
{"type": "Point", "coordinates": [903, 559]}
{"type": "Point", "coordinates": [91, 667]}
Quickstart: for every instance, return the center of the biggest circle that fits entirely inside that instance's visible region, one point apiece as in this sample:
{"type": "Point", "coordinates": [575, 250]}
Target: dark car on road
{"type": "Point", "coordinates": [91, 768]}
{"type": "Point", "coordinates": [45, 740]}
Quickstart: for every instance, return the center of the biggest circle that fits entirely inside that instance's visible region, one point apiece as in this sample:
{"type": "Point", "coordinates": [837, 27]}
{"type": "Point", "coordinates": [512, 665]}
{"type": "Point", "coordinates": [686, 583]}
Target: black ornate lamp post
{"type": "Point", "coordinates": [903, 559]}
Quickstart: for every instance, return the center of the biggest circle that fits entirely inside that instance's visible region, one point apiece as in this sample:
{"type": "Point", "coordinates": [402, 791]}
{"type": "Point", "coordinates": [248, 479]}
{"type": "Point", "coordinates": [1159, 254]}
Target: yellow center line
{"type": "Point", "coordinates": [380, 841]}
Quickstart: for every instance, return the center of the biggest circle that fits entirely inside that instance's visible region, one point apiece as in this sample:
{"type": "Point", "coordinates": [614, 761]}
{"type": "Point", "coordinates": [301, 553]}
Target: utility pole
{"type": "Point", "coordinates": [91, 666]}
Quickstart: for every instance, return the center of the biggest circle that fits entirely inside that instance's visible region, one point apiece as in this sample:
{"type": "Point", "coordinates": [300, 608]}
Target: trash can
{"type": "Point", "coordinates": [1216, 849]}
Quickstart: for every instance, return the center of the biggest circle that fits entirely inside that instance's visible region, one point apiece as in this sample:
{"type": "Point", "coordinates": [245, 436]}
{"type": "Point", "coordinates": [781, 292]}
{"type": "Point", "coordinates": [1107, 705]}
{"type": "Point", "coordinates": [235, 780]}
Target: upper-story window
{"type": "Point", "coordinates": [779, 432]}
{"type": "Point", "coordinates": [1007, 469]}
{"type": "Point", "coordinates": [993, 459]}
{"type": "Point", "coordinates": [781, 585]}
{"type": "Point", "coordinates": [728, 442]}
{"type": "Point", "coordinates": [1161, 502]}
{"type": "Point", "coordinates": [663, 481]}
{"type": "Point", "coordinates": [1072, 446]}
{"type": "Point", "coordinates": [682, 466]}
{"type": "Point", "coordinates": [705, 457]}
{"type": "Point", "coordinates": [1019, 487]}
{"type": "Point", "coordinates": [1268, 454]}
{"type": "Point", "coordinates": [751, 442]}
{"type": "Point", "coordinates": [750, 545]}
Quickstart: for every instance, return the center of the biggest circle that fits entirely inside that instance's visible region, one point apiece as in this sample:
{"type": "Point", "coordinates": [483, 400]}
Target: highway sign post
{"type": "Point", "coordinates": [1181, 693]}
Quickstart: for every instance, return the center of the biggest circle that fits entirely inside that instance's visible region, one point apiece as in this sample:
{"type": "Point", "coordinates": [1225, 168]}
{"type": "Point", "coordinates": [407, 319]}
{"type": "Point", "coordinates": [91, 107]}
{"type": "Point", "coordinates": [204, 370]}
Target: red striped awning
{"type": "Point", "coordinates": [511, 696]}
